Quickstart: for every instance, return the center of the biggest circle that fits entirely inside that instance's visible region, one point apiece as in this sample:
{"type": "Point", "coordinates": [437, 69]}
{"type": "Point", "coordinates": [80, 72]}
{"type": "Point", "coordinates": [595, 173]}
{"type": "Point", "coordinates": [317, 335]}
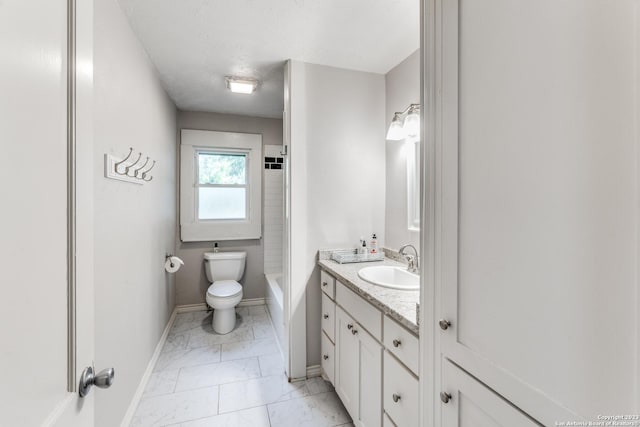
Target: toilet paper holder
{"type": "Point", "coordinates": [167, 257]}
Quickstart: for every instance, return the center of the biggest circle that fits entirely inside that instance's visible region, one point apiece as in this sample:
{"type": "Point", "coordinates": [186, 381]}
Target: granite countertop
{"type": "Point", "coordinates": [397, 304]}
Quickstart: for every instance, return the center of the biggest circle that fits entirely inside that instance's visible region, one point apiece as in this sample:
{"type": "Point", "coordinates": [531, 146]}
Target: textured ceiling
{"type": "Point", "coordinates": [195, 43]}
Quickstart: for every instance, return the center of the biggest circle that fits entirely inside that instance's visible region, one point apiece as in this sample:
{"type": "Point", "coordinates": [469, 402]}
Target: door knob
{"type": "Point", "coordinates": [444, 324]}
{"type": "Point", "coordinates": [103, 379]}
{"type": "Point", "coordinates": [325, 357]}
{"type": "Point", "coordinates": [349, 326]}
{"type": "Point", "coordinates": [396, 343]}
{"type": "Point", "coordinates": [324, 283]}
{"type": "Point", "coordinates": [445, 397]}
{"type": "Point", "coordinates": [326, 316]}
{"type": "Point", "coordinates": [354, 331]}
{"type": "Point", "coordinates": [396, 397]}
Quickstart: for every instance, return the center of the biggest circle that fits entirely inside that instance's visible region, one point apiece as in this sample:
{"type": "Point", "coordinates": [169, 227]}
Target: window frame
{"type": "Point", "coordinates": [193, 142]}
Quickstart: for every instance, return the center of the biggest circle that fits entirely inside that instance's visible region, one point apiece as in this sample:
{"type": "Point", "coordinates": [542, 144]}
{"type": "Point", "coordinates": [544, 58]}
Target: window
{"type": "Point", "coordinates": [220, 185]}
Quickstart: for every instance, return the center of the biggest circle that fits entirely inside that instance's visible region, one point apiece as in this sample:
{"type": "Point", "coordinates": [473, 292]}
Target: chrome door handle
{"type": "Point", "coordinates": [445, 397]}
{"type": "Point", "coordinates": [103, 379]}
{"type": "Point", "coordinates": [396, 397]}
{"type": "Point", "coordinates": [444, 324]}
{"type": "Point", "coordinates": [326, 316]}
{"type": "Point", "coordinates": [396, 343]}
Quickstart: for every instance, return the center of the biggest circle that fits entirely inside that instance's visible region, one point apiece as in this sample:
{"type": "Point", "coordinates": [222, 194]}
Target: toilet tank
{"type": "Point", "coordinates": [224, 265]}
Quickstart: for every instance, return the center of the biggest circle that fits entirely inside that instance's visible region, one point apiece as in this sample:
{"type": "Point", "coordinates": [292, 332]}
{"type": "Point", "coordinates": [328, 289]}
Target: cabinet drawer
{"type": "Point", "coordinates": [328, 284]}
{"type": "Point", "coordinates": [328, 358]}
{"type": "Point", "coordinates": [400, 393]}
{"type": "Point", "coordinates": [402, 343]}
{"type": "Point", "coordinates": [364, 313]}
{"type": "Point", "coordinates": [329, 317]}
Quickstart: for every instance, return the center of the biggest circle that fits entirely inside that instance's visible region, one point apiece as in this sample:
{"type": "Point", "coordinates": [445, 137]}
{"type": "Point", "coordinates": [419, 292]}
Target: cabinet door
{"type": "Point", "coordinates": [370, 404]}
{"type": "Point", "coordinates": [473, 405]}
{"type": "Point", "coordinates": [538, 248]}
{"type": "Point", "coordinates": [347, 372]}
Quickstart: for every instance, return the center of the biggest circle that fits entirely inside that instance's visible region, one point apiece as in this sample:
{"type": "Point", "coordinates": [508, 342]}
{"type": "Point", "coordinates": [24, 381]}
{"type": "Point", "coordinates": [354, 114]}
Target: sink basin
{"type": "Point", "coordinates": [390, 277]}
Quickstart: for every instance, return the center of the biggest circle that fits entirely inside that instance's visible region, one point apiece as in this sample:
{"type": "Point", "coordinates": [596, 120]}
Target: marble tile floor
{"type": "Point", "coordinates": [203, 379]}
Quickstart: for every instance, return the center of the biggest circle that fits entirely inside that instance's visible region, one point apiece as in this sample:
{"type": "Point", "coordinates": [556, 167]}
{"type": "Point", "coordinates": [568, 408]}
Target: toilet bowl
{"type": "Point", "coordinates": [224, 269]}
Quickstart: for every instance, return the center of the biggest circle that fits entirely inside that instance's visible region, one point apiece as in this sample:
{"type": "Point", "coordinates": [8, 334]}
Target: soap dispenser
{"type": "Point", "coordinates": [373, 244]}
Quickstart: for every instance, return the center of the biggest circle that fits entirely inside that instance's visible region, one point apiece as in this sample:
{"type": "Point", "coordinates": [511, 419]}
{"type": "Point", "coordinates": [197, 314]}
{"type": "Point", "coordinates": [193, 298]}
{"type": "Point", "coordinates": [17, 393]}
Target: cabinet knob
{"type": "Point", "coordinates": [326, 316]}
{"type": "Point", "coordinates": [445, 397]}
{"type": "Point", "coordinates": [325, 357]}
{"type": "Point", "coordinates": [349, 326]}
{"type": "Point", "coordinates": [396, 397]}
{"type": "Point", "coordinates": [444, 324]}
{"type": "Point", "coordinates": [324, 283]}
{"type": "Point", "coordinates": [396, 343]}
{"type": "Point", "coordinates": [354, 331]}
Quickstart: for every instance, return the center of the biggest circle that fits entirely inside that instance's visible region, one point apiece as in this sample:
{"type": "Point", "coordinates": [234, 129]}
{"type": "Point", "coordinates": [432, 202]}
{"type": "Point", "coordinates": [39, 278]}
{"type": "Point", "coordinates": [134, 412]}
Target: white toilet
{"type": "Point", "coordinates": [224, 269]}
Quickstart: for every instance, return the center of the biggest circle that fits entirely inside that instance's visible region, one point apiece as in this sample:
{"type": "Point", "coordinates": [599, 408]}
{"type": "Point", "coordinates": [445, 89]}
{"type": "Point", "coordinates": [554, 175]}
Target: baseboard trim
{"type": "Point", "coordinates": [186, 308]}
{"type": "Point", "coordinates": [128, 416]}
{"type": "Point", "coordinates": [314, 371]}
{"type": "Point", "coordinates": [252, 301]}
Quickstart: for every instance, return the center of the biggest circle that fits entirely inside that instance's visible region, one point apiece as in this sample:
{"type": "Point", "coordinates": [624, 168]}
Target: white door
{"type": "Point", "coordinates": [539, 202]}
{"type": "Point", "coordinates": [46, 329]}
{"type": "Point", "coordinates": [347, 363]}
{"type": "Point", "coordinates": [467, 403]}
{"type": "Point", "coordinates": [370, 371]}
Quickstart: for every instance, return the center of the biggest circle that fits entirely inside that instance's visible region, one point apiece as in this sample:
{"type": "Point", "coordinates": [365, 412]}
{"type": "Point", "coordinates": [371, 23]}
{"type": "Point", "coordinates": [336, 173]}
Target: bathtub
{"type": "Point", "coordinates": [275, 305]}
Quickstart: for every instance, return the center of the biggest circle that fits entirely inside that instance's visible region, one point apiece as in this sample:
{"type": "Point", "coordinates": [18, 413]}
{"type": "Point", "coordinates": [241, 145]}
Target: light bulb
{"type": "Point", "coordinates": [412, 123]}
{"type": "Point", "coordinates": [396, 130]}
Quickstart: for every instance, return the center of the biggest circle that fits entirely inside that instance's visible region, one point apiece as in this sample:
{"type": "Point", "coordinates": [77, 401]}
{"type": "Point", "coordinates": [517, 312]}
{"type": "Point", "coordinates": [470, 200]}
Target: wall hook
{"type": "Point", "coordinates": [146, 173]}
{"type": "Point", "coordinates": [136, 171]}
{"type": "Point", "coordinates": [128, 168]}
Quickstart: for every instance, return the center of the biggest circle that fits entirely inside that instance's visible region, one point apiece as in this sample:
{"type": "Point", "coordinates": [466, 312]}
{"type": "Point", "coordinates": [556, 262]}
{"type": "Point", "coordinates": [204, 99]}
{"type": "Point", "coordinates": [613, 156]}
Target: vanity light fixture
{"type": "Point", "coordinates": [241, 84]}
{"type": "Point", "coordinates": [409, 126]}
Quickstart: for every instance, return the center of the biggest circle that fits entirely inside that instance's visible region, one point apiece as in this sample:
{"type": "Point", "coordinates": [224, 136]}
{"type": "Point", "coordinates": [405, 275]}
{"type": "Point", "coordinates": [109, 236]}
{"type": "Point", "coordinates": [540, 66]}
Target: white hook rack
{"type": "Point", "coordinates": [128, 170]}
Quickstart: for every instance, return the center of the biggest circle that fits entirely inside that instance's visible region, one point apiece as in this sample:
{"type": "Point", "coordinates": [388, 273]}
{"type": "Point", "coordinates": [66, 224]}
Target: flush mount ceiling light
{"type": "Point", "coordinates": [401, 128]}
{"type": "Point", "coordinates": [241, 84]}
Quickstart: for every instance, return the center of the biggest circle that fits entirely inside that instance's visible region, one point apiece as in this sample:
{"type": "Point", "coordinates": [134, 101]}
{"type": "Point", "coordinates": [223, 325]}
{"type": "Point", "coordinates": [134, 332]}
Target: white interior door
{"type": "Point", "coordinates": [539, 202]}
{"type": "Point", "coordinates": [47, 327]}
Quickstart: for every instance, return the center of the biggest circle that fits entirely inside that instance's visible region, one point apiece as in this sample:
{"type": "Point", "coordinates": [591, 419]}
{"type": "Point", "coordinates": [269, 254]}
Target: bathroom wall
{"type": "Point", "coordinates": [337, 172]}
{"type": "Point", "coordinates": [191, 281]}
{"type": "Point", "coordinates": [273, 210]}
{"type": "Point", "coordinates": [134, 224]}
{"type": "Point", "coordinates": [402, 87]}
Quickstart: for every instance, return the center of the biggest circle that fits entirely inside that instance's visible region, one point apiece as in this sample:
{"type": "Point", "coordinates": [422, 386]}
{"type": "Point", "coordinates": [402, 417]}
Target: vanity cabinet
{"type": "Point", "coordinates": [360, 348]}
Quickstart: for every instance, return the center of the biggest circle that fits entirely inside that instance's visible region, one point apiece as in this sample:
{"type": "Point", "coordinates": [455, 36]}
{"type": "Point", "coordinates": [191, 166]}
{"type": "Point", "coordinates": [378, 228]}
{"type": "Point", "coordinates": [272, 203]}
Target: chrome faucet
{"type": "Point", "coordinates": [412, 260]}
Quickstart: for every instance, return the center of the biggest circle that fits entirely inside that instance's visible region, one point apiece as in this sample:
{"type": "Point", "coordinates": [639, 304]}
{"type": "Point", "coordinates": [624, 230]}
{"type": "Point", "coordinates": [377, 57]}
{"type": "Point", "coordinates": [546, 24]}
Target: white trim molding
{"type": "Point", "coordinates": [128, 417]}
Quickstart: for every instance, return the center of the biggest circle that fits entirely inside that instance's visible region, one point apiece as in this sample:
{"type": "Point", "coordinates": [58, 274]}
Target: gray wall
{"type": "Point", "coordinates": [337, 172]}
{"type": "Point", "coordinates": [134, 224]}
{"type": "Point", "coordinates": [191, 282]}
{"type": "Point", "coordinates": [402, 89]}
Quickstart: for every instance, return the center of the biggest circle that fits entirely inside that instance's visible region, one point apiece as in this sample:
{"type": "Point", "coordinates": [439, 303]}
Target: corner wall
{"type": "Point", "coordinates": [191, 281]}
{"type": "Point", "coordinates": [134, 224]}
{"type": "Point", "coordinates": [337, 173]}
{"type": "Point", "coordinates": [402, 86]}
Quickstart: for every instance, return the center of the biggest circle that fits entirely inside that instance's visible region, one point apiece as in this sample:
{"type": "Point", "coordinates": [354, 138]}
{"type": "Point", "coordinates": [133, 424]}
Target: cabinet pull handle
{"type": "Point", "coordinates": [396, 343]}
{"type": "Point", "coordinates": [324, 283]}
{"type": "Point", "coordinates": [396, 397]}
{"type": "Point", "coordinates": [349, 326]}
{"type": "Point", "coordinates": [444, 324]}
{"type": "Point", "coordinates": [325, 357]}
{"type": "Point", "coordinates": [445, 397]}
{"type": "Point", "coordinates": [355, 331]}
{"type": "Point", "coordinates": [326, 316]}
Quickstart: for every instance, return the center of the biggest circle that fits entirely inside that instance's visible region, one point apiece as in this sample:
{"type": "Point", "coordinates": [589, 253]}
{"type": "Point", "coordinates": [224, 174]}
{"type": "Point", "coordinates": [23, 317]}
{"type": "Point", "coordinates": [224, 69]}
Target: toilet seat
{"type": "Point", "coordinates": [224, 289]}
